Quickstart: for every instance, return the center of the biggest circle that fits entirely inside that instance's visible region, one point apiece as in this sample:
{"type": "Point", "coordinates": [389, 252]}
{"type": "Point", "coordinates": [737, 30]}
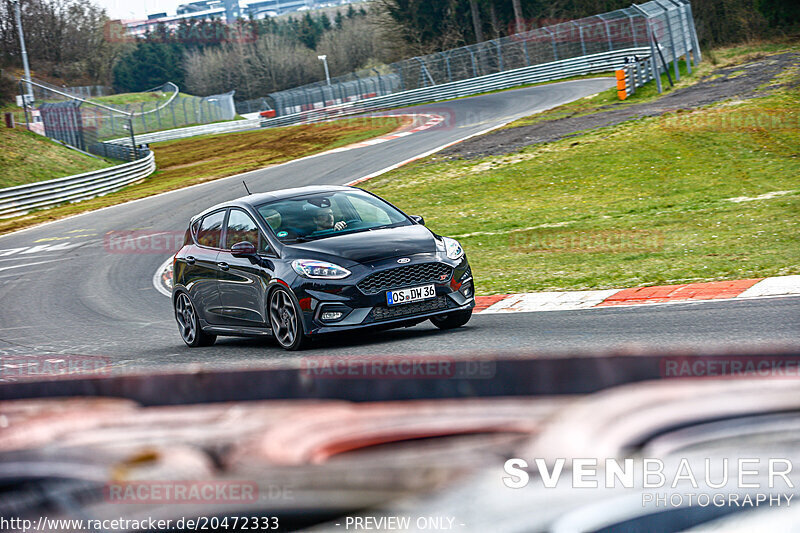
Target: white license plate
{"type": "Point", "coordinates": [412, 294]}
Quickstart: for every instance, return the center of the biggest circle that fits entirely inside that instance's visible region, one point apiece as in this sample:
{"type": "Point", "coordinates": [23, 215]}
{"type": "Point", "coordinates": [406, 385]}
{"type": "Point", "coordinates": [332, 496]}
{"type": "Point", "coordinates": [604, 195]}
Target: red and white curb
{"type": "Point", "coordinates": [431, 121]}
{"type": "Point", "coordinates": [162, 279]}
{"type": "Point", "coordinates": [690, 292]}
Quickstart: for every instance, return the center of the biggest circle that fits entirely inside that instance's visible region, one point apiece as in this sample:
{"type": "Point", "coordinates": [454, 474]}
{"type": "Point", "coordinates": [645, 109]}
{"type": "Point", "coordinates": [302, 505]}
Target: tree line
{"type": "Point", "coordinates": [257, 57]}
{"type": "Point", "coordinates": [432, 25]}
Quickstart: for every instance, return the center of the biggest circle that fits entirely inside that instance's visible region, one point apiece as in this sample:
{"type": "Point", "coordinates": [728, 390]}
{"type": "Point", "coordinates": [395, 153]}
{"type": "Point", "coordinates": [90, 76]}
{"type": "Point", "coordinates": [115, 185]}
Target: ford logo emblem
{"type": "Point", "coordinates": [404, 260]}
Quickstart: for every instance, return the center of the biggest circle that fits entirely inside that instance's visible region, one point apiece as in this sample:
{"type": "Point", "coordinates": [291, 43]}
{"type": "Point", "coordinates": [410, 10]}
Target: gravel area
{"type": "Point", "coordinates": [736, 82]}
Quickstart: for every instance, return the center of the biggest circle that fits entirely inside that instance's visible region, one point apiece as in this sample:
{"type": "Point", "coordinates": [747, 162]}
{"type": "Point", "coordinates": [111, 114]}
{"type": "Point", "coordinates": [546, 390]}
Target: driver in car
{"type": "Point", "coordinates": [324, 220]}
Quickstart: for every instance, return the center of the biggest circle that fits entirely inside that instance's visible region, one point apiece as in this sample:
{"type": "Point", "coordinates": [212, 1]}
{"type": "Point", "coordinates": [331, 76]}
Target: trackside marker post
{"type": "Point", "coordinates": [622, 90]}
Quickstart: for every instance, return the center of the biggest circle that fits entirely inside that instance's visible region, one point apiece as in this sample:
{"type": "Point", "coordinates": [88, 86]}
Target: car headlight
{"type": "Point", "coordinates": [309, 268]}
{"type": "Point", "coordinates": [454, 250]}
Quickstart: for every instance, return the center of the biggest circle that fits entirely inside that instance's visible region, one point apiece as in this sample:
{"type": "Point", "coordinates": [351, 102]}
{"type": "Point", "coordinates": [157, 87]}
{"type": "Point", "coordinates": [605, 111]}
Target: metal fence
{"type": "Point", "coordinates": [15, 201]}
{"type": "Point", "coordinates": [183, 133]}
{"type": "Point", "coordinates": [666, 27]}
{"type": "Point", "coordinates": [87, 125]}
{"type": "Point", "coordinates": [255, 105]}
{"type": "Point", "coordinates": [595, 63]}
{"type": "Point", "coordinates": [88, 91]}
{"type": "Point", "coordinates": [343, 91]}
{"type": "Point", "coordinates": [671, 34]}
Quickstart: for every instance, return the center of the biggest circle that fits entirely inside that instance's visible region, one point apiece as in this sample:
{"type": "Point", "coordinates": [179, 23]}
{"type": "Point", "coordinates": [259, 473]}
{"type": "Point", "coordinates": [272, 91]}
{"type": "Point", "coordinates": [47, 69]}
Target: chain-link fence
{"type": "Point", "coordinates": [671, 34]}
{"type": "Point", "coordinates": [87, 124]}
{"type": "Point", "coordinates": [664, 25]}
{"type": "Point", "coordinates": [88, 91]}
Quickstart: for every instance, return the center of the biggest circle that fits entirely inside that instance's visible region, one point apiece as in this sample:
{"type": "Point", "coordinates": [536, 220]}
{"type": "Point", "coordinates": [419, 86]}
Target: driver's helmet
{"type": "Point", "coordinates": [318, 208]}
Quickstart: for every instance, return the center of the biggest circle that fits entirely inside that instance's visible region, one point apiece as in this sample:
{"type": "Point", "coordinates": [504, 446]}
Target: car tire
{"type": "Point", "coordinates": [286, 320]}
{"type": "Point", "coordinates": [189, 323]}
{"type": "Point", "coordinates": [453, 320]}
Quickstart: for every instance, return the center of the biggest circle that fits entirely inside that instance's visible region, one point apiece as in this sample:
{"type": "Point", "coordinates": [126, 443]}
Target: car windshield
{"type": "Point", "coordinates": [322, 215]}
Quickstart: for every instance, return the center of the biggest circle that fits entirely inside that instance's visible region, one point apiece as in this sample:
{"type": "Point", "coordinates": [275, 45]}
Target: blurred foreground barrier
{"type": "Point", "coordinates": [378, 378]}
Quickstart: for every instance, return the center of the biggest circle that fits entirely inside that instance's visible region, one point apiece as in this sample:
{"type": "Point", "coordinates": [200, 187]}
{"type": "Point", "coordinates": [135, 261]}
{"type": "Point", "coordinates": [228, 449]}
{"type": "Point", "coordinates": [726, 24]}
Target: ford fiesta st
{"type": "Point", "coordinates": [300, 263]}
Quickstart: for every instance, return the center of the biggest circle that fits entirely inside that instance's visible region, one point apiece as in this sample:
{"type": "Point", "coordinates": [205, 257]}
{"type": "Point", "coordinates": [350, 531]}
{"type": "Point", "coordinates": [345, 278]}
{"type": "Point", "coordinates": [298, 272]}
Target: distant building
{"type": "Point", "coordinates": [141, 27]}
{"type": "Point", "coordinates": [231, 8]}
{"type": "Point", "coordinates": [273, 8]}
{"type": "Point", "coordinates": [198, 7]}
{"type": "Point", "coordinates": [228, 10]}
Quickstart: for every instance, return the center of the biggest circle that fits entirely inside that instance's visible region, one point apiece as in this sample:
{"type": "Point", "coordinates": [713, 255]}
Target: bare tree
{"type": "Point", "coordinates": [519, 24]}
{"type": "Point", "coordinates": [477, 24]}
{"type": "Point", "coordinates": [65, 39]}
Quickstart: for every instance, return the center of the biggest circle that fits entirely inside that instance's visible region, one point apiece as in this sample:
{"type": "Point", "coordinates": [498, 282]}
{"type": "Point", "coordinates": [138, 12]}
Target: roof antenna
{"type": "Point", "coordinates": [245, 188]}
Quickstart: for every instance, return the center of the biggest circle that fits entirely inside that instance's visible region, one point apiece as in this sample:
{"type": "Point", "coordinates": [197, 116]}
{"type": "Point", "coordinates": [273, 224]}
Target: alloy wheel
{"type": "Point", "coordinates": [283, 317]}
{"type": "Point", "coordinates": [187, 322]}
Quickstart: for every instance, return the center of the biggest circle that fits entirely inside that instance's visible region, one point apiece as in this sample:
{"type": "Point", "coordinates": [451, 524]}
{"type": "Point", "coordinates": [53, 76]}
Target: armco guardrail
{"type": "Point", "coordinates": [633, 75]}
{"type": "Point", "coordinates": [603, 62]}
{"type": "Point", "coordinates": [193, 131]}
{"type": "Point", "coordinates": [24, 198]}
{"type": "Point", "coordinates": [85, 125]}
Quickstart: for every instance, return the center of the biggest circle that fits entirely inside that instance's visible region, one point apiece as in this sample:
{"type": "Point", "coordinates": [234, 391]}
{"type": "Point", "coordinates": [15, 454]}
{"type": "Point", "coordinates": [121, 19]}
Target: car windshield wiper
{"type": "Point", "coordinates": [386, 226]}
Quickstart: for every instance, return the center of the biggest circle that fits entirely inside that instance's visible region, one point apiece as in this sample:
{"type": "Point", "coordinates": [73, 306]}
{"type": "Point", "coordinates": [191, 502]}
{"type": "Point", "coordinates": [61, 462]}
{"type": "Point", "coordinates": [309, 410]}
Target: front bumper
{"type": "Point", "coordinates": [368, 309]}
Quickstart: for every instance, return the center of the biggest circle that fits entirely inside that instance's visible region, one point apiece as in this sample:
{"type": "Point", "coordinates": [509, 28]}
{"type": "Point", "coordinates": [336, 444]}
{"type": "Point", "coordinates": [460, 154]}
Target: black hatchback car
{"type": "Point", "coordinates": [300, 263]}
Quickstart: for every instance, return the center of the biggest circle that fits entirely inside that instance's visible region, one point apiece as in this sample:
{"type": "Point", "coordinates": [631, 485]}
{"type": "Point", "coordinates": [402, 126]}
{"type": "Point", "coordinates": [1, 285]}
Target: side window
{"type": "Point", "coordinates": [210, 232]}
{"type": "Point", "coordinates": [242, 228]}
{"type": "Point", "coordinates": [368, 212]}
{"type": "Point", "coordinates": [273, 218]}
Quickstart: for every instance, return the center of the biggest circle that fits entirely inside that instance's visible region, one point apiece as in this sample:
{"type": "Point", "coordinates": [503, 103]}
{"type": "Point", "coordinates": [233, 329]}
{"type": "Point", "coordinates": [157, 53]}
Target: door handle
{"type": "Point", "coordinates": [190, 259]}
{"type": "Point", "coordinates": [224, 266]}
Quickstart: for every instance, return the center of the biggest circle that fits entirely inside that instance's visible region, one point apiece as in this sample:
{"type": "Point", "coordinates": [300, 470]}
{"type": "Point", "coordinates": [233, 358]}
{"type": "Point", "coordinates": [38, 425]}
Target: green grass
{"type": "Point", "coordinates": [603, 100]}
{"type": "Point", "coordinates": [741, 53]}
{"type": "Point", "coordinates": [215, 156]}
{"type": "Point", "coordinates": [713, 59]}
{"type": "Point", "coordinates": [132, 98]}
{"type": "Point", "coordinates": [643, 203]}
{"type": "Point", "coordinates": [27, 157]}
{"type": "Point", "coordinates": [187, 162]}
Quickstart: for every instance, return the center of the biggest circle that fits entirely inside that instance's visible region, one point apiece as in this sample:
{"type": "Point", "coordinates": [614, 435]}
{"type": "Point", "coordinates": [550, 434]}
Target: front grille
{"type": "Point", "coordinates": [405, 276]}
{"type": "Point", "coordinates": [418, 308]}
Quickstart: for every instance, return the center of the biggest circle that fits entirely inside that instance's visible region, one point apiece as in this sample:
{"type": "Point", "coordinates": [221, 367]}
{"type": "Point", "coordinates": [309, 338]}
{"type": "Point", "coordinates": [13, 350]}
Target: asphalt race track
{"type": "Point", "coordinates": [62, 292]}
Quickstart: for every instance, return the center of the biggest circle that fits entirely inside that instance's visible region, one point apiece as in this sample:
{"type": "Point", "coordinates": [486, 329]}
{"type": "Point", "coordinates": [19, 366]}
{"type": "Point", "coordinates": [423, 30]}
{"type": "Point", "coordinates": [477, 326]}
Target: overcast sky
{"type": "Point", "coordinates": [138, 9]}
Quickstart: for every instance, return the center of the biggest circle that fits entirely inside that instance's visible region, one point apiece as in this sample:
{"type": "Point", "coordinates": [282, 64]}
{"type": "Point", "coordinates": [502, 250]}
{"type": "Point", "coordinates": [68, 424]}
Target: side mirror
{"type": "Point", "coordinates": [418, 219]}
{"type": "Point", "coordinates": [243, 249]}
